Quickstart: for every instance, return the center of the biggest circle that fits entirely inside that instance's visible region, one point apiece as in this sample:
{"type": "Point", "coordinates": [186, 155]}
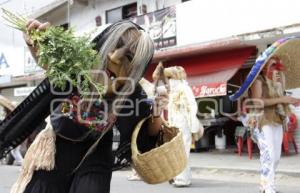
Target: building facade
{"type": "Point", "coordinates": [216, 41]}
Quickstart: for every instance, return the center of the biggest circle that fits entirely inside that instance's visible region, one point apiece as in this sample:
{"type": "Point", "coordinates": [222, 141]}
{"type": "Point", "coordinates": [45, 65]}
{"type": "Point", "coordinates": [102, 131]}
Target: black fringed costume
{"type": "Point", "coordinates": [55, 156]}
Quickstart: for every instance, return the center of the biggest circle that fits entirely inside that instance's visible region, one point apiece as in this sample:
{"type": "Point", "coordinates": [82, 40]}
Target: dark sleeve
{"type": "Point", "coordinates": [126, 124]}
{"type": "Point", "coordinates": [129, 117]}
{"type": "Point", "coordinates": [144, 141]}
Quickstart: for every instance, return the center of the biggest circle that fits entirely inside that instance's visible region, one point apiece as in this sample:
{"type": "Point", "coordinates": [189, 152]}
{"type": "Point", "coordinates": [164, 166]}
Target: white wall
{"type": "Point", "coordinates": [14, 56]}
{"type": "Point", "coordinates": [8, 35]}
{"type": "Point", "coordinates": [11, 43]}
{"type": "Point", "coordinates": [202, 20]}
{"type": "Point", "coordinates": [83, 17]}
{"type": "Point", "coordinates": [56, 17]}
{"type": "Point", "coordinates": [199, 21]}
{"type": "Point", "coordinates": [13, 37]}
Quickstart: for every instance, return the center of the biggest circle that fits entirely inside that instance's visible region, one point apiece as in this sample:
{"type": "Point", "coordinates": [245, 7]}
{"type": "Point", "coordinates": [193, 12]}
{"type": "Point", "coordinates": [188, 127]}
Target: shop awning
{"type": "Point", "coordinates": [206, 63]}
{"type": "Point", "coordinates": [214, 62]}
{"type": "Point", "coordinates": [211, 84]}
{"type": "Point", "coordinates": [209, 68]}
{"type": "Point", "coordinates": [208, 74]}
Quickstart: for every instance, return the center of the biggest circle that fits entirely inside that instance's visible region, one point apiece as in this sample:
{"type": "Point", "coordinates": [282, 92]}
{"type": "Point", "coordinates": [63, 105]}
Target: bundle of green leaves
{"type": "Point", "coordinates": [65, 55]}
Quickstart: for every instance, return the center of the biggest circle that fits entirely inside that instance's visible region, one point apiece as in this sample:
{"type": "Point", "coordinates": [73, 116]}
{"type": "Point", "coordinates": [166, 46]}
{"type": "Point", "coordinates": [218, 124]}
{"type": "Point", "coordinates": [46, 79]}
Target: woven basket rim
{"type": "Point", "coordinates": [5, 102]}
{"type": "Point", "coordinates": [140, 161]}
{"type": "Point", "coordinates": [156, 149]}
{"type": "Point", "coordinates": [134, 148]}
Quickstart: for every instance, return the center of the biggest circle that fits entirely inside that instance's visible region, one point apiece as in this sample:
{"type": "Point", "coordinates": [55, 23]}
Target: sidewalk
{"type": "Point", "coordinates": [228, 160]}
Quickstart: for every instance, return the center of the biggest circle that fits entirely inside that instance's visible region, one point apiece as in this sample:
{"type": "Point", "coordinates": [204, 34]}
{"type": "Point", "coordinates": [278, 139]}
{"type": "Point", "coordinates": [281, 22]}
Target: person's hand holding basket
{"type": "Point", "coordinates": [168, 159]}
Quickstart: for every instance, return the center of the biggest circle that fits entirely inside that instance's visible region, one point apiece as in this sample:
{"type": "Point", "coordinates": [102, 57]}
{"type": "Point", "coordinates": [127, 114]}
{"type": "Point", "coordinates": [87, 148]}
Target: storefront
{"type": "Point", "coordinates": [18, 88]}
{"type": "Point", "coordinates": [213, 71]}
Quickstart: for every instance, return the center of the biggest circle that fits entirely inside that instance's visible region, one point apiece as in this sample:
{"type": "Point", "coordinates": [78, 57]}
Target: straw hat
{"type": "Point", "coordinates": [288, 50]}
{"type": "Point", "coordinates": [175, 72]}
{"type": "Point", "coordinates": [6, 103]}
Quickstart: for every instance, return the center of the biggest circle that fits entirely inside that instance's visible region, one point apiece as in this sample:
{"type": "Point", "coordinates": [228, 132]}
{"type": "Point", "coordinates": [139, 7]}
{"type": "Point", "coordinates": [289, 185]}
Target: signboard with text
{"type": "Point", "coordinates": [210, 89]}
{"type": "Point", "coordinates": [23, 91]}
{"type": "Point", "coordinates": [11, 60]}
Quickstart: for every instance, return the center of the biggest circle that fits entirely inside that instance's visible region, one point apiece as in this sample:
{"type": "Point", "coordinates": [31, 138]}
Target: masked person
{"type": "Point", "coordinates": [268, 91]}
{"type": "Point", "coordinates": [75, 156]}
{"type": "Point", "coordinates": [274, 71]}
{"type": "Point", "coordinates": [182, 111]}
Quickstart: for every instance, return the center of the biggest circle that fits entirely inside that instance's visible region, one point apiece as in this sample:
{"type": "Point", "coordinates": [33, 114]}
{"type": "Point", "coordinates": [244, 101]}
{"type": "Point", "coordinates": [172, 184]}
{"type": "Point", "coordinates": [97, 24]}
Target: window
{"type": "Point", "coordinates": [114, 15]}
{"type": "Point", "coordinates": [120, 13]}
{"type": "Point", "coordinates": [129, 11]}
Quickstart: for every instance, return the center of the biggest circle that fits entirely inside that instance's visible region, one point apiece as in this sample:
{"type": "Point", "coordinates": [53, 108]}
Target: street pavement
{"type": "Point", "coordinates": [213, 172]}
{"type": "Point", "coordinates": [204, 181]}
{"type": "Point", "coordinates": [228, 160]}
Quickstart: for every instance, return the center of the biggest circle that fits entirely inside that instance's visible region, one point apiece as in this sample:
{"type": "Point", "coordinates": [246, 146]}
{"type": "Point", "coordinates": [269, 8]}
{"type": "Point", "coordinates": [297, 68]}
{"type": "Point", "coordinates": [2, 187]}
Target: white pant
{"type": "Point", "coordinates": [17, 155]}
{"type": "Point", "coordinates": [269, 143]}
{"type": "Point", "coordinates": [184, 178]}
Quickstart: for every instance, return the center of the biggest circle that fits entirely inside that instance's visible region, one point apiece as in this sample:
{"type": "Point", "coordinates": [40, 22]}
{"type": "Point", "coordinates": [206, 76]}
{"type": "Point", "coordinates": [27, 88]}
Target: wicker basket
{"type": "Point", "coordinates": [163, 162]}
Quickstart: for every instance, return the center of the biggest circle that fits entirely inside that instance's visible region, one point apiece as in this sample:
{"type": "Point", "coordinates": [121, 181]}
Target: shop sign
{"type": "Point", "coordinates": [23, 91]}
{"type": "Point", "coordinates": [5, 79]}
{"type": "Point", "coordinates": [210, 89]}
{"type": "Point", "coordinates": [3, 61]}
{"type": "Point", "coordinates": [11, 60]}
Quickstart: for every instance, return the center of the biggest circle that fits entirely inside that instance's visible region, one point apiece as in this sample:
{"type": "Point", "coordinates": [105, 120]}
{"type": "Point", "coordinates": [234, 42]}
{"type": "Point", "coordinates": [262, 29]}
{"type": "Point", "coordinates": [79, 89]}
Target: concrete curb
{"type": "Point", "coordinates": [244, 170]}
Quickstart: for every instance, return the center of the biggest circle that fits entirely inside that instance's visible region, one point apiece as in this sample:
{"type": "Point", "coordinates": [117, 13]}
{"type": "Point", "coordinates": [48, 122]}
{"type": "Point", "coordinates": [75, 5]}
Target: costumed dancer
{"type": "Point", "coordinates": [71, 156]}
{"type": "Point", "coordinates": [269, 107]}
{"type": "Point", "coordinates": [182, 111]}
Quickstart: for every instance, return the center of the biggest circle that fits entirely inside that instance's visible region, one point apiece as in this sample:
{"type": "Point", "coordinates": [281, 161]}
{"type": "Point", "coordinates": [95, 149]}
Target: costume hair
{"type": "Point", "coordinates": [142, 47]}
{"type": "Point", "coordinates": [139, 43]}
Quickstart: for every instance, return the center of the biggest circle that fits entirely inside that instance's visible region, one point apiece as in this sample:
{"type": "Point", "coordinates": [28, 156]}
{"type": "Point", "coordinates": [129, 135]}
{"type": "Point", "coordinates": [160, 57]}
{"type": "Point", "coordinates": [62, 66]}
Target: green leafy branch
{"type": "Point", "coordinates": [63, 53]}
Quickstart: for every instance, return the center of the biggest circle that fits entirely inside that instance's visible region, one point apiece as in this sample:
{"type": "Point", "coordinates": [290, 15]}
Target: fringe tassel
{"type": "Point", "coordinates": [40, 156]}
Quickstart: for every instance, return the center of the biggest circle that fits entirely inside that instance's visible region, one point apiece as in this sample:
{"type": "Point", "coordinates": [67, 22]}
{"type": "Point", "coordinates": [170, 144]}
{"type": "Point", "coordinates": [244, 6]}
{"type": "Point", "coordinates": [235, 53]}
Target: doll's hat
{"type": "Point", "coordinates": [6, 103]}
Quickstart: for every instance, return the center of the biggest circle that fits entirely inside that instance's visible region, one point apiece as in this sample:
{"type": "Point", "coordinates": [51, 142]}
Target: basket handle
{"type": "Point", "coordinates": [164, 122]}
{"type": "Point", "coordinates": [134, 149]}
